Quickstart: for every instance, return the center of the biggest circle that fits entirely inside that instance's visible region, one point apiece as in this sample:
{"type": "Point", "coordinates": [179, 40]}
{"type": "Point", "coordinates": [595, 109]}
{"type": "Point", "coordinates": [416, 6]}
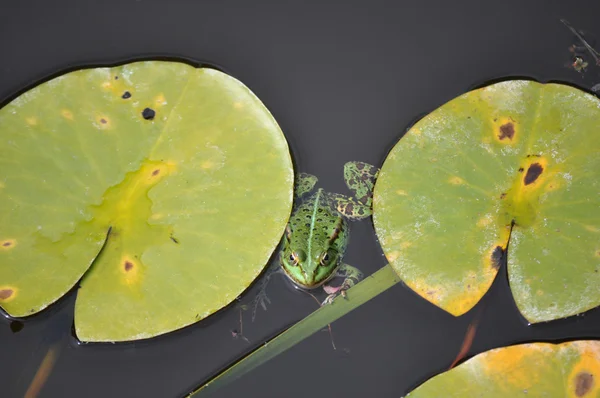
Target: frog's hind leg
{"type": "Point", "coordinates": [351, 277]}
{"type": "Point", "coordinates": [304, 184]}
{"type": "Point", "coordinates": [360, 178]}
{"type": "Point", "coordinates": [349, 207]}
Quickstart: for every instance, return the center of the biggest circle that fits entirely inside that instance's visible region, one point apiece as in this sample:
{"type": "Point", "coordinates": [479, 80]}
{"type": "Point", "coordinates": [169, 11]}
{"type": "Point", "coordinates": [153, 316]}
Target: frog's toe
{"type": "Point", "coordinates": [305, 183]}
{"type": "Point", "coordinates": [329, 299]}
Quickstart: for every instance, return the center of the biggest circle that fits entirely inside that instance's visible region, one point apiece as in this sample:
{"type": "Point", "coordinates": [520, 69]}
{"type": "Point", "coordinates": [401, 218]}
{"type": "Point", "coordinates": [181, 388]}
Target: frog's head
{"type": "Point", "coordinates": [310, 260]}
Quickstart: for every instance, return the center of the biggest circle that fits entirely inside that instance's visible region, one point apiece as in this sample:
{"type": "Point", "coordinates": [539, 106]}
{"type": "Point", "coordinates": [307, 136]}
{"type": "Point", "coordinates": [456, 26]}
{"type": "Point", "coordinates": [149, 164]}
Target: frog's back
{"type": "Point", "coordinates": [318, 226]}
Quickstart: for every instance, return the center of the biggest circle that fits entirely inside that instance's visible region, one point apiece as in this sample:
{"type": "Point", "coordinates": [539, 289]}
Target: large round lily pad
{"type": "Point", "coordinates": [527, 370]}
{"type": "Point", "coordinates": [179, 174]}
{"type": "Point", "coordinates": [517, 155]}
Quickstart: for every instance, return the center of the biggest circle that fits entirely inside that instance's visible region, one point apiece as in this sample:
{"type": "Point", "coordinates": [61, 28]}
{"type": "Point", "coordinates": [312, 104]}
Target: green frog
{"type": "Point", "coordinates": [317, 234]}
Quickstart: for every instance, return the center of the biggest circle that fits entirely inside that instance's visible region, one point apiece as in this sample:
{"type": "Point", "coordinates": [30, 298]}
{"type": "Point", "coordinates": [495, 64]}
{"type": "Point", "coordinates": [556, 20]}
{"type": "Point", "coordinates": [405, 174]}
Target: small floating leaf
{"type": "Point", "coordinates": [515, 155]}
{"type": "Point", "coordinates": [529, 370]}
{"type": "Point", "coordinates": [180, 172]}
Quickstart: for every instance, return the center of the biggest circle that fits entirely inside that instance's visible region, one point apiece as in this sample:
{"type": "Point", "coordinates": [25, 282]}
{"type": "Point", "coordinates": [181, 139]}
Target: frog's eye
{"type": "Point", "coordinates": [293, 259]}
{"type": "Point", "coordinates": [324, 258]}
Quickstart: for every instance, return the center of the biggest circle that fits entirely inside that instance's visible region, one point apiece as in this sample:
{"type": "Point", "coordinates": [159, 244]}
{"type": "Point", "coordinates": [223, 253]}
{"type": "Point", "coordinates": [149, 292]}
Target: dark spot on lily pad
{"type": "Point", "coordinates": [498, 257]}
{"type": "Point", "coordinates": [533, 172]}
{"type": "Point", "coordinates": [126, 95]}
{"type": "Point", "coordinates": [507, 130]}
{"type": "Point", "coordinates": [7, 244]}
{"type": "Point", "coordinates": [156, 172]}
{"type": "Point", "coordinates": [148, 114]}
{"type": "Point", "coordinates": [584, 382]}
{"type": "Point", "coordinates": [6, 293]}
{"type": "Point", "coordinates": [521, 169]}
{"type": "Point", "coordinates": [103, 121]}
{"type": "Point", "coordinates": [503, 195]}
{"type": "Point", "coordinates": [128, 266]}
{"type": "Point", "coordinates": [175, 240]}
{"type": "Point", "coordinates": [116, 77]}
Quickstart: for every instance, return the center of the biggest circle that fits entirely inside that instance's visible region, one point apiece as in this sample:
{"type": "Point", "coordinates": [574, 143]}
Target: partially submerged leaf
{"type": "Point", "coordinates": [184, 166]}
{"type": "Point", "coordinates": [529, 370]}
{"type": "Point", "coordinates": [517, 154]}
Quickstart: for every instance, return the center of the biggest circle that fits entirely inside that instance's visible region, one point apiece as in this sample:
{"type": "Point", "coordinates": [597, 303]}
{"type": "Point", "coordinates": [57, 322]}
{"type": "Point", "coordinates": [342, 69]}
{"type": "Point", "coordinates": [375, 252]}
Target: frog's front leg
{"type": "Point", "coordinates": [351, 276]}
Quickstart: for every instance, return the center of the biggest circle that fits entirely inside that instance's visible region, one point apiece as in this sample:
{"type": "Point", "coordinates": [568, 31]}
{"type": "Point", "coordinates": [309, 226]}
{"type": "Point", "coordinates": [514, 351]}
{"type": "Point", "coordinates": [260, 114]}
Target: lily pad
{"type": "Point", "coordinates": [514, 162]}
{"type": "Point", "coordinates": [179, 174]}
{"type": "Point", "coordinates": [529, 370]}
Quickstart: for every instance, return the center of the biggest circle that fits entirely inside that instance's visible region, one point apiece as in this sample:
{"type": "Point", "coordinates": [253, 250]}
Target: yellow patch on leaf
{"type": "Point", "coordinates": [67, 114]}
{"type": "Point", "coordinates": [8, 244]}
{"type": "Point", "coordinates": [393, 256]}
{"type": "Point", "coordinates": [513, 366]}
{"type": "Point", "coordinates": [456, 180]}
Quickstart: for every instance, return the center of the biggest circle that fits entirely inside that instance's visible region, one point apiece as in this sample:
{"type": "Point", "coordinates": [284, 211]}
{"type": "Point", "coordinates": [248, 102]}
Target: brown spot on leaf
{"type": "Point", "coordinates": [533, 172]}
{"type": "Point", "coordinates": [584, 382]}
{"type": "Point", "coordinates": [128, 266]}
{"type": "Point", "coordinates": [507, 130]}
{"type": "Point", "coordinates": [503, 195]}
{"type": "Point", "coordinates": [5, 294]}
{"type": "Point", "coordinates": [8, 244]}
{"type": "Point", "coordinates": [156, 172]}
{"type": "Point", "coordinates": [521, 169]}
{"type": "Point", "coordinates": [497, 257]}
{"type": "Point", "coordinates": [103, 121]}
{"type": "Point", "coordinates": [126, 95]}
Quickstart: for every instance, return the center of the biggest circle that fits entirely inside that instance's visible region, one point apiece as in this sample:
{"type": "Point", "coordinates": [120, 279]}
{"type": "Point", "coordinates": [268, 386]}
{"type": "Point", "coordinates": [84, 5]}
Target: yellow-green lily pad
{"type": "Point", "coordinates": [179, 174]}
{"type": "Point", "coordinates": [527, 370]}
{"type": "Point", "coordinates": [514, 156]}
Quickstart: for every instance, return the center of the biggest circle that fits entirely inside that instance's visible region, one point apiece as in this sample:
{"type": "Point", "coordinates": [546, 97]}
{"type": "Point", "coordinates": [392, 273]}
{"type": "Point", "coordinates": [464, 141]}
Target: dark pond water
{"type": "Point", "coordinates": [344, 82]}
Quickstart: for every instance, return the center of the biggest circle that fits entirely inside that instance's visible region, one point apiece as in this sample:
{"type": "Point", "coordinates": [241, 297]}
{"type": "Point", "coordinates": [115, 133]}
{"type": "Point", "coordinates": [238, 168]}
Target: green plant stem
{"type": "Point", "coordinates": [362, 292]}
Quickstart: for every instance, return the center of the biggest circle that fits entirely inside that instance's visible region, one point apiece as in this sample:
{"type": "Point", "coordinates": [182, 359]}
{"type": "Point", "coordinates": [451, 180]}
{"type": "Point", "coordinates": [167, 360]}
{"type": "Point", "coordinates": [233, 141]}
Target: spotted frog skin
{"type": "Point", "coordinates": [317, 234]}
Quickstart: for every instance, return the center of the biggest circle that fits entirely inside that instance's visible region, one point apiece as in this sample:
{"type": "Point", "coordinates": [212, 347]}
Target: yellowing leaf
{"type": "Point", "coordinates": [517, 155]}
{"type": "Point", "coordinates": [529, 370]}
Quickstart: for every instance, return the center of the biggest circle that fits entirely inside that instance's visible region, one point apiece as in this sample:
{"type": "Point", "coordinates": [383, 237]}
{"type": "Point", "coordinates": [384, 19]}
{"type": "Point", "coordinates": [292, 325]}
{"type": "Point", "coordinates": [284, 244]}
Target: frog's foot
{"type": "Point", "coordinates": [350, 208]}
{"type": "Point", "coordinates": [304, 184]}
{"type": "Point", "coordinates": [261, 297]}
{"type": "Point", "coordinates": [360, 178]}
{"type": "Point", "coordinates": [352, 276]}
